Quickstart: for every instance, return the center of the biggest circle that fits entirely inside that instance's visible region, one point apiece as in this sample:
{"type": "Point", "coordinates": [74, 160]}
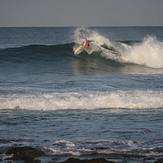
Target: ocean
{"type": "Point", "coordinates": [105, 103]}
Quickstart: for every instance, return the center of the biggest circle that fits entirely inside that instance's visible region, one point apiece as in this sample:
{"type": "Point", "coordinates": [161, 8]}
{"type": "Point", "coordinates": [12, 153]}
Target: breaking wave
{"type": "Point", "coordinates": [84, 100]}
{"type": "Point", "coordinates": [148, 53]}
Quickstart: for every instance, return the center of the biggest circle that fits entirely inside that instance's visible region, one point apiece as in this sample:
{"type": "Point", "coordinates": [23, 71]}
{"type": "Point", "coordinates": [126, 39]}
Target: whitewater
{"type": "Point", "coordinates": [85, 101]}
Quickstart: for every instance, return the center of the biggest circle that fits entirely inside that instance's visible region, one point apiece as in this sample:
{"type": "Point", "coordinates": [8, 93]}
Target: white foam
{"type": "Point", "coordinates": [60, 151]}
{"type": "Point", "coordinates": [68, 144]}
{"type": "Point", "coordinates": [147, 53]}
{"type": "Point", "coordinates": [85, 100]}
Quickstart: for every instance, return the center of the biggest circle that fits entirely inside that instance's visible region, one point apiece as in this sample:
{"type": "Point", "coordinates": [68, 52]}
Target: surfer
{"type": "Point", "coordinates": [86, 44]}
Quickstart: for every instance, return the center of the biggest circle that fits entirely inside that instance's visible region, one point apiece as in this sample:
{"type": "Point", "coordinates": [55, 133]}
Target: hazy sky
{"type": "Point", "coordinates": [81, 12]}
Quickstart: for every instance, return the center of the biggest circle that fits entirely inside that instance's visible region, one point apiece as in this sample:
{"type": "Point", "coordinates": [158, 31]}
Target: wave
{"type": "Point", "coordinates": [120, 148]}
{"type": "Point", "coordinates": [36, 50]}
{"type": "Point", "coordinates": [84, 100]}
{"type": "Point", "coordinates": [148, 53]}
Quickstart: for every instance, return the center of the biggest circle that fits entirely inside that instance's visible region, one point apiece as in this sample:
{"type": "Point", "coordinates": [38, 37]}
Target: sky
{"type": "Point", "coordinates": [81, 13]}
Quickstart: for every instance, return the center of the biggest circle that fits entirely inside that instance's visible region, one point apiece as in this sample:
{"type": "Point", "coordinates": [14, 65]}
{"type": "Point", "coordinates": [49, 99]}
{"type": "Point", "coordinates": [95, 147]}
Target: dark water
{"type": "Point", "coordinates": [106, 103]}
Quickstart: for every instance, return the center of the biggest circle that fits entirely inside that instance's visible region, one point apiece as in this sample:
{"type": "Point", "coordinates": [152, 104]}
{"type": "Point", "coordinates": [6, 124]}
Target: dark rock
{"type": "Point", "coordinates": [32, 161]}
{"type": "Point", "coordinates": [159, 161]}
{"type": "Point", "coordinates": [24, 153]}
{"type": "Point", "coordinates": [98, 160]}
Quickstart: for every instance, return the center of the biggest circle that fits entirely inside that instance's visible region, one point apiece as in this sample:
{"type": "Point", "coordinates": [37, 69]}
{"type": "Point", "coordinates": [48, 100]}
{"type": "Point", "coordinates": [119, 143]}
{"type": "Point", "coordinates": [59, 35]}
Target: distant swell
{"type": "Point", "coordinates": [84, 100]}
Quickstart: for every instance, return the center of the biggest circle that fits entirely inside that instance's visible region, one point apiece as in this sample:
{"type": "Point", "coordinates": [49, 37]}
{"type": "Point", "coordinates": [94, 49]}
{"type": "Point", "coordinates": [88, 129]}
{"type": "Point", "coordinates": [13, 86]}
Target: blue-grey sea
{"type": "Point", "coordinates": [106, 102]}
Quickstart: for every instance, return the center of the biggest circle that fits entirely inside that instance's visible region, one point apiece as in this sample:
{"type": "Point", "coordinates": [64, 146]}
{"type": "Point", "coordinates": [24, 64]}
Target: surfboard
{"type": "Point", "coordinates": [78, 50]}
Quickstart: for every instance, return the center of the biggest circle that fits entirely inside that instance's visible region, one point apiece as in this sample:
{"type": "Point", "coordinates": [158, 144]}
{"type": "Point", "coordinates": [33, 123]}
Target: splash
{"type": "Point", "coordinates": [147, 53]}
{"type": "Point", "coordinates": [81, 33]}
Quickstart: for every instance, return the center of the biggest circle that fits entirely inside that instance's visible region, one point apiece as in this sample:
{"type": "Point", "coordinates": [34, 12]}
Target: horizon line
{"type": "Point", "coordinates": [68, 26]}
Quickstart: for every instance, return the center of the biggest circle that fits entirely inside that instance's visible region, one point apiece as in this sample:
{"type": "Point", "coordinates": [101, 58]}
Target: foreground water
{"type": "Point", "coordinates": [100, 104]}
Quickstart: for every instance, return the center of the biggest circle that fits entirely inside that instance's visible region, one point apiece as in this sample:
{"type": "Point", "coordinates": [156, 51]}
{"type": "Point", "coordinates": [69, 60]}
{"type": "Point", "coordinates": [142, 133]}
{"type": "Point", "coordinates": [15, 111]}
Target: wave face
{"type": "Point", "coordinates": [36, 52]}
{"type": "Point", "coordinates": [148, 53]}
{"type": "Point", "coordinates": [85, 101]}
